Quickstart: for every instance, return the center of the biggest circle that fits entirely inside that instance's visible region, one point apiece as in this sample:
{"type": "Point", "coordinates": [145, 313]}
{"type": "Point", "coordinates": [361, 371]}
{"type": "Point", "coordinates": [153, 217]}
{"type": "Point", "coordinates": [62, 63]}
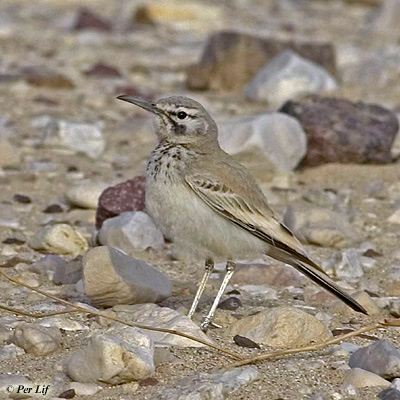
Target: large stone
{"type": "Point", "coordinates": [281, 327]}
{"type": "Point", "coordinates": [231, 59]}
{"type": "Point", "coordinates": [279, 140]}
{"type": "Point", "coordinates": [36, 339]}
{"type": "Point", "coordinates": [112, 277]}
{"type": "Point", "coordinates": [85, 195]}
{"type": "Point", "coordinates": [113, 359]}
{"type": "Point", "coordinates": [78, 137]}
{"type": "Point", "coordinates": [126, 196]}
{"type": "Point", "coordinates": [131, 231]}
{"type": "Point", "coordinates": [59, 239]}
{"type": "Point", "coordinates": [162, 317]}
{"type": "Point", "coordinates": [214, 386]}
{"type": "Point", "coordinates": [43, 76]}
{"type": "Point", "coordinates": [288, 76]}
{"type": "Point", "coordinates": [320, 227]}
{"type": "Point", "coordinates": [342, 131]}
{"type": "Point", "coordinates": [380, 358]}
{"type": "Point", "coordinates": [389, 394]}
{"type": "Point", "coordinates": [360, 378]}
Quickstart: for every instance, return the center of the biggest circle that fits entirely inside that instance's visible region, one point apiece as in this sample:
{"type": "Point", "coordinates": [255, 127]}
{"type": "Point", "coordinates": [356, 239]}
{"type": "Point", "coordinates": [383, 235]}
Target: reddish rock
{"type": "Point", "coordinates": [231, 59]}
{"type": "Point", "coordinates": [269, 275]}
{"type": "Point", "coordinates": [101, 70]}
{"type": "Point", "coordinates": [343, 131]}
{"type": "Point", "coordinates": [126, 196]}
{"type": "Point", "coordinates": [86, 19]}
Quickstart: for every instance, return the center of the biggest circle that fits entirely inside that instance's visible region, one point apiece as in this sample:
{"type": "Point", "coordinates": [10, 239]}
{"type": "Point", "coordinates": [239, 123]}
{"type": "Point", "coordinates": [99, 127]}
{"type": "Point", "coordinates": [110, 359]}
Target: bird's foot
{"type": "Point", "coordinates": [208, 324]}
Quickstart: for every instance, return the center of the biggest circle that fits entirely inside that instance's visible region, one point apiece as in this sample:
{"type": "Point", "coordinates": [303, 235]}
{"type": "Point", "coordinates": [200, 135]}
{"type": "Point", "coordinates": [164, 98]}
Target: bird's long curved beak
{"type": "Point", "coordinates": [146, 105]}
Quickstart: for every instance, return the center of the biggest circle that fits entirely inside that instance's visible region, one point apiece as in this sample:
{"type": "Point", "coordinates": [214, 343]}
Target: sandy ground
{"type": "Point", "coordinates": [32, 36]}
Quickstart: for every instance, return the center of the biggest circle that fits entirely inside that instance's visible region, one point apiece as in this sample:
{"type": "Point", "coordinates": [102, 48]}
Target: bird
{"type": "Point", "coordinates": [209, 205]}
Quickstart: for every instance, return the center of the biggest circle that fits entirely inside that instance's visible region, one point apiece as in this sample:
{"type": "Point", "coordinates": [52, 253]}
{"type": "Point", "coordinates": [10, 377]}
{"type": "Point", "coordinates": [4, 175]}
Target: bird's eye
{"type": "Point", "coordinates": [182, 115]}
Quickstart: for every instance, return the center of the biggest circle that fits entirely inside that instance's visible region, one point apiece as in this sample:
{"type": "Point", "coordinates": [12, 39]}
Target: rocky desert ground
{"type": "Point", "coordinates": [306, 94]}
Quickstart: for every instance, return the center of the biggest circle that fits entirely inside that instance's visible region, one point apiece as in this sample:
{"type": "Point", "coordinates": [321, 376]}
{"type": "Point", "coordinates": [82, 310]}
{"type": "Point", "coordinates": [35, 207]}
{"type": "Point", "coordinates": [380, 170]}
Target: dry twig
{"type": "Point", "coordinates": [76, 308]}
{"type": "Point", "coordinates": [317, 346]}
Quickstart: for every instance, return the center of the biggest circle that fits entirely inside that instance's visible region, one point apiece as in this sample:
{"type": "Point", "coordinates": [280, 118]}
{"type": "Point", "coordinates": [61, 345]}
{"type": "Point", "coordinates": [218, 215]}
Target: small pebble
{"type": "Point", "coordinates": [231, 303]}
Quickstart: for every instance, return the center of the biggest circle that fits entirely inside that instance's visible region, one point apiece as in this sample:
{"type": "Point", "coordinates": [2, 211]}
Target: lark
{"type": "Point", "coordinates": [209, 205]}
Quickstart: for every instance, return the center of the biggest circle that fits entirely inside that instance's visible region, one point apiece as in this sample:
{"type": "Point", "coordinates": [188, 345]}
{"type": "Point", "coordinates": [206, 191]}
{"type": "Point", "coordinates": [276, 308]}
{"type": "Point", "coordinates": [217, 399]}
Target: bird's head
{"type": "Point", "coordinates": [178, 118]}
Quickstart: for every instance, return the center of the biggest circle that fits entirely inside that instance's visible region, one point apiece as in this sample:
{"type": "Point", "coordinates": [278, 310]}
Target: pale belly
{"type": "Point", "coordinates": [195, 229]}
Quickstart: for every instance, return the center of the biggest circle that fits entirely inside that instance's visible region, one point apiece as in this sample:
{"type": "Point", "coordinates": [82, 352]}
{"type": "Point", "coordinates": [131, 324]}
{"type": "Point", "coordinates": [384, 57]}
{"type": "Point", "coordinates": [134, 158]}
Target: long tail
{"type": "Point", "coordinates": [315, 273]}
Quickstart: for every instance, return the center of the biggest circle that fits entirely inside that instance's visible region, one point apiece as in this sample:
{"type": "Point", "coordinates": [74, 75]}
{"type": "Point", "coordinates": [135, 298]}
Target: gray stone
{"type": "Point", "coordinates": [85, 195]}
{"type": "Point", "coordinates": [68, 272]}
{"type": "Point", "coordinates": [360, 378]}
{"type": "Point", "coordinates": [320, 227]}
{"type": "Point", "coordinates": [112, 277]}
{"type": "Point", "coordinates": [76, 136]}
{"type": "Point", "coordinates": [345, 263]}
{"type": "Point", "coordinates": [36, 339]}
{"type": "Point", "coordinates": [8, 380]}
{"type": "Point", "coordinates": [113, 360]}
{"type": "Point", "coordinates": [10, 351]}
{"type": "Point", "coordinates": [281, 327]}
{"type": "Point", "coordinates": [288, 76]}
{"type": "Point", "coordinates": [131, 231]}
{"type": "Point", "coordinates": [162, 317]}
{"type": "Point", "coordinates": [389, 394]}
{"type": "Point", "coordinates": [59, 239]}
{"type": "Point", "coordinates": [216, 386]}
{"type": "Point", "coordinates": [47, 265]}
{"type": "Point", "coordinates": [349, 347]}
{"type": "Point", "coordinates": [280, 140]}
{"type": "Point", "coordinates": [380, 358]}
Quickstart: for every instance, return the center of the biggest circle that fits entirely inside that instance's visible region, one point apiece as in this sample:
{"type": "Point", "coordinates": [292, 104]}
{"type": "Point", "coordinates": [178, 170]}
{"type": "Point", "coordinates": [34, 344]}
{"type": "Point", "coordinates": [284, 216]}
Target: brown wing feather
{"type": "Point", "coordinates": [284, 245]}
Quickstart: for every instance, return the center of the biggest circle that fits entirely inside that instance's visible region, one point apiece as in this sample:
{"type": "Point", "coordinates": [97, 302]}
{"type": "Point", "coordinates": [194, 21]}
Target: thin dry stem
{"type": "Point", "coordinates": [134, 325]}
{"type": "Point", "coordinates": [317, 346]}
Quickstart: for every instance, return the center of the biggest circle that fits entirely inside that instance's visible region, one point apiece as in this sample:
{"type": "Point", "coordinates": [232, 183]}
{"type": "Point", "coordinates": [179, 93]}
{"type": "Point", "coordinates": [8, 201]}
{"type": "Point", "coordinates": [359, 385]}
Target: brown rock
{"type": "Point", "coordinates": [86, 19]}
{"type": "Point", "coordinates": [44, 77]}
{"type": "Point", "coordinates": [339, 130]}
{"type": "Point", "coordinates": [231, 59]}
{"type": "Point", "coordinates": [126, 196]}
{"type": "Point", "coordinates": [101, 70]}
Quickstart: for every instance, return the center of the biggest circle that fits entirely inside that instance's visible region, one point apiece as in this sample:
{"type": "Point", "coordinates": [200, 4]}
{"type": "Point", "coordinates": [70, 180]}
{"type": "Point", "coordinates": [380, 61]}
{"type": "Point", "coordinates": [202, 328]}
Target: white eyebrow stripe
{"type": "Point", "coordinates": [175, 109]}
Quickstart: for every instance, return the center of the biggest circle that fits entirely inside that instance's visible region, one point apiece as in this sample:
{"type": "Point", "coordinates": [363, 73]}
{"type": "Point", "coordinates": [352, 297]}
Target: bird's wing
{"type": "Point", "coordinates": [258, 219]}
